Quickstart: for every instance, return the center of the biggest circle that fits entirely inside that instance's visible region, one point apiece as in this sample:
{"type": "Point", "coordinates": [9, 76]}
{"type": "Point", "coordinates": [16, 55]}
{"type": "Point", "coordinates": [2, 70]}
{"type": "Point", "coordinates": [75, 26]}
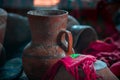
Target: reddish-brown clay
{"type": "Point", "coordinates": [48, 29]}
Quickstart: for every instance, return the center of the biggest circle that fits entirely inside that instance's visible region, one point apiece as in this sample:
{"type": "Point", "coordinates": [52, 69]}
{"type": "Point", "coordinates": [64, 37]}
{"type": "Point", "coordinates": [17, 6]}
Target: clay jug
{"type": "Point", "coordinates": [48, 45]}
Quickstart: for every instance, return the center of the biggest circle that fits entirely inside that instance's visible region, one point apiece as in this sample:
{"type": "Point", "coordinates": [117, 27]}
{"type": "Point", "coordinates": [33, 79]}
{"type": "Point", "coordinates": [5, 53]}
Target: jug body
{"type": "Point", "coordinates": [48, 45]}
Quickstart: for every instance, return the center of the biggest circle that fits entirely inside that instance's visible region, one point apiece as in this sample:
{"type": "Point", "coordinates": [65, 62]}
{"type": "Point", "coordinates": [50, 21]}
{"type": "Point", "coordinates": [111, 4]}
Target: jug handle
{"type": "Point", "coordinates": [67, 48]}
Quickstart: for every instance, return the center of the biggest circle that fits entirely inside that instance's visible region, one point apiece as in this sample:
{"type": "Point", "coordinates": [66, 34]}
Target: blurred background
{"type": "Point", "coordinates": [85, 11]}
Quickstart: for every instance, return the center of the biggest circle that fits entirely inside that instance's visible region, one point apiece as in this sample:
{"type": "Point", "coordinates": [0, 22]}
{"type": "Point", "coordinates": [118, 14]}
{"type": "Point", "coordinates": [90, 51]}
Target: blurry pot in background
{"type": "Point", "coordinates": [3, 21]}
{"type": "Point", "coordinates": [17, 35]}
{"type": "Point", "coordinates": [82, 36]}
{"type": "Point", "coordinates": [71, 21]}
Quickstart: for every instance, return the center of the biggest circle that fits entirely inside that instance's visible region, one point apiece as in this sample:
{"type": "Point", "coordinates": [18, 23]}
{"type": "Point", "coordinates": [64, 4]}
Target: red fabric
{"type": "Point", "coordinates": [115, 68]}
{"type": "Point", "coordinates": [71, 65]}
{"type": "Point", "coordinates": [107, 51]}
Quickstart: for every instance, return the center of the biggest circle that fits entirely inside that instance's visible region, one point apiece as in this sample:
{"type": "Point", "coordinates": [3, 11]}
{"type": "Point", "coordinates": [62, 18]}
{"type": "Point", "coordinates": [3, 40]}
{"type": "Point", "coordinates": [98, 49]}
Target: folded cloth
{"type": "Point", "coordinates": [107, 51]}
{"type": "Point", "coordinates": [71, 64]}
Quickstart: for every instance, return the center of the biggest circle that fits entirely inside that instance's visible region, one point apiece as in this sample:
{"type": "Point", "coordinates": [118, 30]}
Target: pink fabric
{"type": "Point", "coordinates": [107, 51]}
{"type": "Point", "coordinates": [71, 65]}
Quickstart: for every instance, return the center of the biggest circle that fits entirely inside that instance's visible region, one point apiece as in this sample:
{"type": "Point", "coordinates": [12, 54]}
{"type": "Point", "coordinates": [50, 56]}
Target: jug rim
{"type": "Point", "coordinates": [47, 13]}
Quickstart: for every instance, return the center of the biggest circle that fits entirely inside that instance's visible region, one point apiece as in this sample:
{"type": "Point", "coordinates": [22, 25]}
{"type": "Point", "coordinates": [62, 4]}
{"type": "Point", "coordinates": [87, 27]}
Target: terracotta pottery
{"type": "Point", "coordinates": [48, 29]}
